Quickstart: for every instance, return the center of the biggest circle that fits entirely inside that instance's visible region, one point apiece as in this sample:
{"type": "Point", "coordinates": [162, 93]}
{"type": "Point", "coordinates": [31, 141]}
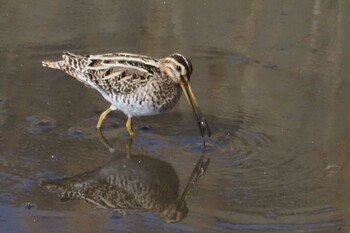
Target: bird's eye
{"type": "Point", "coordinates": [178, 68]}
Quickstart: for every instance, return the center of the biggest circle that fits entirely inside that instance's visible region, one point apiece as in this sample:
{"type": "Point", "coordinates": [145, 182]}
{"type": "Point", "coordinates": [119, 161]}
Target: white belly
{"type": "Point", "coordinates": [140, 104]}
{"type": "Point", "coordinates": [135, 109]}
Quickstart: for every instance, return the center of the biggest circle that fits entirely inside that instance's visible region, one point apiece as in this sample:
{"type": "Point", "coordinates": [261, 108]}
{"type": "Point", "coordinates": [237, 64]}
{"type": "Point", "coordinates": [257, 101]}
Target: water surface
{"type": "Point", "coordinates": [272, 78]}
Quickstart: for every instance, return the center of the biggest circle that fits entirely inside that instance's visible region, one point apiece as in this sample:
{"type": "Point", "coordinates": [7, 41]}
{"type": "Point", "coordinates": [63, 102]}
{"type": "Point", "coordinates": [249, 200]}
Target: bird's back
{"type": "Point", "coordinates": [132, 83]}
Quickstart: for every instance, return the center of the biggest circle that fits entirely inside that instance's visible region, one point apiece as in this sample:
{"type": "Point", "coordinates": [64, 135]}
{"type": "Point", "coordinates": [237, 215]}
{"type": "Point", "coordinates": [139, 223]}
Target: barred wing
{"type": "Point", "coordinates": [118, 73]}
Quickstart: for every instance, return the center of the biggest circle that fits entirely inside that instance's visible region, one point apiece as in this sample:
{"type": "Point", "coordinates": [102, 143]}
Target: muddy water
{"type": "Point", "coordinates": [271, 77]}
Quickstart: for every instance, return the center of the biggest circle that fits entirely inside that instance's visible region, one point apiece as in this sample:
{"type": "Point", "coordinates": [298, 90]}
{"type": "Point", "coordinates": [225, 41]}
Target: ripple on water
{"type": "Point", "coordinates": [230, 139]}
{"type": "Point", "coordinates": [195, 144]}
{"type": "Point", "coordinates": [76, 132]}
{"type": "Point", "coordinates": [267, 187]}
{"type": "Point", "coordinates": [145, 128]}
{"type": "Point", "coordinates": [41, 124]}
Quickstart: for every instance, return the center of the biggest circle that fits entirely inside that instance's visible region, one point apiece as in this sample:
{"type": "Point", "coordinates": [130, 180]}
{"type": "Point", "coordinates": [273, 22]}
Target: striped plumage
{"type": "Point", "coordinates": [134, 84]}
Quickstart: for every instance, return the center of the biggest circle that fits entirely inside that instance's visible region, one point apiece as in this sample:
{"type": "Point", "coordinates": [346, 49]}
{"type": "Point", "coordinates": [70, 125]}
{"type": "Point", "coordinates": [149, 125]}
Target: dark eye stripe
{"type": "Point", "coordinates": [183, 61]}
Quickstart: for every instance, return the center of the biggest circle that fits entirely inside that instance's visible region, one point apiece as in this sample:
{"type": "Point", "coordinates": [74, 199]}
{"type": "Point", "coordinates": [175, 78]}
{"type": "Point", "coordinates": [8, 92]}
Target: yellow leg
{"type": "Point", "coordinates": [129, 128]}
{"type": "Point", "coordinates": [102, 117]}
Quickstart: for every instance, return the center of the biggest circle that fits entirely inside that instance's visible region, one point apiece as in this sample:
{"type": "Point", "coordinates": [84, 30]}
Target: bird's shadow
{"type": "Point", "coordinates": [131, 183]}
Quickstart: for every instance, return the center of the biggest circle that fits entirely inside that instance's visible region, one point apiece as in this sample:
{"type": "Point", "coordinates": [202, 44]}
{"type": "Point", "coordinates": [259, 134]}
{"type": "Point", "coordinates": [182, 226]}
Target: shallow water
{"type": "Point", "coordinates": [271, 77]}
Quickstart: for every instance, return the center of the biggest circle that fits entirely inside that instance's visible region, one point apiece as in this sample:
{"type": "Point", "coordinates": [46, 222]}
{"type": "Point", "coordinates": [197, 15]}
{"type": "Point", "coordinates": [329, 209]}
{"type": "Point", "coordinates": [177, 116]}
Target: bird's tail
{"type": "Point", "coordinates": [53, 64]}
{"type": "Point", "coordinates": [69, 60]}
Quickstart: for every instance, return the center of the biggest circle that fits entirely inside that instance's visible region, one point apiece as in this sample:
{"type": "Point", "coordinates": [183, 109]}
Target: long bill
{"type": "Point", "coordinates": [202, 122]}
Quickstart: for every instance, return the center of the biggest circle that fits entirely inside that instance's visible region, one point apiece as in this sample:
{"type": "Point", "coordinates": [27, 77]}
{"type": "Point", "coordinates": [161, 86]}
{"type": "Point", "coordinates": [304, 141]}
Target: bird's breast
{"type": "Point", "coordinates": [149, 100]}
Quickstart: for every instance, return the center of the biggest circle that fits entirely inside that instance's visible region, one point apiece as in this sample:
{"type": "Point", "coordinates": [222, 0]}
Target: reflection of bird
{"type": "Point", "coordinates": [134, 84]}
{"type": "Point", "coordinates": [137, 183]}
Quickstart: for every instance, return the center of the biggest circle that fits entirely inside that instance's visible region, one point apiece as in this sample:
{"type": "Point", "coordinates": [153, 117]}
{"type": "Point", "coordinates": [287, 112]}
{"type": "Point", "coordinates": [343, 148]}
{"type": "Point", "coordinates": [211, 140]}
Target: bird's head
{"type": "Point", "coordinates": [179, 70]}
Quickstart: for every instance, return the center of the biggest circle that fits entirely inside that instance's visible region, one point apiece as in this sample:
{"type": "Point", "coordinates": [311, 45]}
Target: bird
{"type": "Point", "coordinates": [134, 84]}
